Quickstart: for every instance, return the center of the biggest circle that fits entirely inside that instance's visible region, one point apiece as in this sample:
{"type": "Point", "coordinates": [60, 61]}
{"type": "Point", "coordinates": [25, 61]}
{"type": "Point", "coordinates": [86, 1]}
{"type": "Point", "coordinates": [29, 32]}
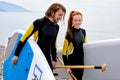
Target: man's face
{"type": "Point", "coordinates": [58, 16]}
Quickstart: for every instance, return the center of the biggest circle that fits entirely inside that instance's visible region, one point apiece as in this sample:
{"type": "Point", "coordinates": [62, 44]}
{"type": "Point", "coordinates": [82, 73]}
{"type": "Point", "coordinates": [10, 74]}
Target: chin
{"type": "Point", "coordinates": [56, 21]}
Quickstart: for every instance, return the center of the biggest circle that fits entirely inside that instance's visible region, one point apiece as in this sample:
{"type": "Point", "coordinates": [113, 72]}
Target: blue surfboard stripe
{"type": "Point", "coordinates": [21, 70]}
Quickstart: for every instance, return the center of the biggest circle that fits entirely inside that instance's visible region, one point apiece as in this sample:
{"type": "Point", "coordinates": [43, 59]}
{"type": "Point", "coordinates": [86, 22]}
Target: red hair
{"type": "Point", "coordinates": [70, 19]}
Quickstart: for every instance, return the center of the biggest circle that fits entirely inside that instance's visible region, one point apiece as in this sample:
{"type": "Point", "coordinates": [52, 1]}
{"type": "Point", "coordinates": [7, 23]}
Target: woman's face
{"type": "Point", "coordinates": [77, 21]}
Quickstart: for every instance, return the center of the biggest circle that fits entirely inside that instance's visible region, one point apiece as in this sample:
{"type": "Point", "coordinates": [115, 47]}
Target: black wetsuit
{"type": "Point", "coordinates": [47, 33]}
{"type": "Point", "coordinates": [76, 57]}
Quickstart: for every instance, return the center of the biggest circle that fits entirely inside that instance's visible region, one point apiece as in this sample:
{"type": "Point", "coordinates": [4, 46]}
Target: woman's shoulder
{"type": "Point", "coordinates": [82, 29]}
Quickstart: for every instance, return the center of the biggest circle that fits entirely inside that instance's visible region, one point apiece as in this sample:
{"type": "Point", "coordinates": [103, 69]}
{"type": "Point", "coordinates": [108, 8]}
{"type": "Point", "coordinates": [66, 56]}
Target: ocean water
{"type": "Point", "coordinates": [98, 27]}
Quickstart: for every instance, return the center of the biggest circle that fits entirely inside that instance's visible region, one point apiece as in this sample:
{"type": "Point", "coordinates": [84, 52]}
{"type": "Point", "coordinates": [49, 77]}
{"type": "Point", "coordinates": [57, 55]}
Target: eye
{"type": "Point", "coordinates": [80, 19]}
{"type": "Point", "coordinates": [75, 20]}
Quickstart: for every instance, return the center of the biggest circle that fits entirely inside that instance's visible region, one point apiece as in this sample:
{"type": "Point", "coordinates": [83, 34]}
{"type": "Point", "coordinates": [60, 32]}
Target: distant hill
{"type": "Point", "coordinates": [9, 7]}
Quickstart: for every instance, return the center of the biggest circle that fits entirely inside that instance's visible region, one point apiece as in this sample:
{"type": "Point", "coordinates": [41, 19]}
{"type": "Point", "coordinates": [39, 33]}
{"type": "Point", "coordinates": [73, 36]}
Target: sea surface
{"type": "Point", "coordinates": [98, 27]}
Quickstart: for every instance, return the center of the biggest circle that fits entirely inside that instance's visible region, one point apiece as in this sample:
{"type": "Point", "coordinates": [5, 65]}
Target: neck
{"type": "Point", "coordinates": [51, 19]}
{"type": "Point", "coordinates": [76, 27]}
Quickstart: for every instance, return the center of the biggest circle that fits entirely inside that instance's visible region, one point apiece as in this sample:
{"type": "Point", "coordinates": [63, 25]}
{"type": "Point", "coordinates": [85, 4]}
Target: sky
{"type": "Point", "coordinates": [99, 6]}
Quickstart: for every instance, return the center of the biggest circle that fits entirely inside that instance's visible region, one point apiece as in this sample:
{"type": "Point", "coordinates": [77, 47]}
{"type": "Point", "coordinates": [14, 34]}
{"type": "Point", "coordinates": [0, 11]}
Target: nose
{"type": "Point", "coordinates": [60, 17]}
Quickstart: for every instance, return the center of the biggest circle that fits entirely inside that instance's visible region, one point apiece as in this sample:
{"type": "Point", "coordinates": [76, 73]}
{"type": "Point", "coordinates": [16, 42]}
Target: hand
{"type": "Point", "coordinates": [14, 60]}
{"type": "Point", "coordinates": [68, 70]}
{"type": "Point", "coordinates": [53, 64]}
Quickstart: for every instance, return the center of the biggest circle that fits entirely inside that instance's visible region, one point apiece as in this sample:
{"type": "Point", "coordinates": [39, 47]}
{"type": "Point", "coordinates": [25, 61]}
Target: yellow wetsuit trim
{"type": "Point", "coordinates": [27, 33]}
{"type": "Point", "coordinates": [35, 36]}
{"type": "Point", "coordinates": [56, 43]}
{"type": "Point", "coordinates": [70, 47]}
{"type": "Point", "coordinates": [85, 39]}
{"type": "Point", "coordinates": [65, 46]}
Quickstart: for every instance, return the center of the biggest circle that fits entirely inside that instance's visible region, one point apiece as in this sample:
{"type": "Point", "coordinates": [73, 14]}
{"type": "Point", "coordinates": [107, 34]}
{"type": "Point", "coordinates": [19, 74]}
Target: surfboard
{"type": "Point", "coordinates": [97, 53]}
{"type": "Point", "coordinates": [31, 65]}
{"type": "Point", "coordinates": [100, 52]}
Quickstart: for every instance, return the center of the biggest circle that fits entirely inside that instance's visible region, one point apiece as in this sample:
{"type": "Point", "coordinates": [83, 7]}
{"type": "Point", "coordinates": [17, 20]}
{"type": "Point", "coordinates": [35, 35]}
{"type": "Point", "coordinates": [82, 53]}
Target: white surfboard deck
{"type": "Point", "coordinates": [100, 52]}
{"type": "Point", "coordinates": [31, 65]}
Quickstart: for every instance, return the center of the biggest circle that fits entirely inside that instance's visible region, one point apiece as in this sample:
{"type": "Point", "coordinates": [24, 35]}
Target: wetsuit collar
{"type": "Point", "coordinates": [48, 19]}
{"type": "Point", "coordinates": [74, 29]}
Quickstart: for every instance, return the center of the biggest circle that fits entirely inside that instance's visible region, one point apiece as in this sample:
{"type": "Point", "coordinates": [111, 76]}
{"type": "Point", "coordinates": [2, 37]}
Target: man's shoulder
{"type": "Point", "coordinates": [40, 19]}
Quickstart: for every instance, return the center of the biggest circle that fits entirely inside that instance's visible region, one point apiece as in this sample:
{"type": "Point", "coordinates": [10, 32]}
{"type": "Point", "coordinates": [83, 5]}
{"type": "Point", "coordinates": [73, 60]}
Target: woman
{"type": "Point", "coordinates": [73, 53]}
{"type": "Point", "coordinates": [45, 30]}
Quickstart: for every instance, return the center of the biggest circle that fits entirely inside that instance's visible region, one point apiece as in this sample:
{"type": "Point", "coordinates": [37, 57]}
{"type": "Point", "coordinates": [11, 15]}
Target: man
{"type": "Point", "coordinates": [45, 30]}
